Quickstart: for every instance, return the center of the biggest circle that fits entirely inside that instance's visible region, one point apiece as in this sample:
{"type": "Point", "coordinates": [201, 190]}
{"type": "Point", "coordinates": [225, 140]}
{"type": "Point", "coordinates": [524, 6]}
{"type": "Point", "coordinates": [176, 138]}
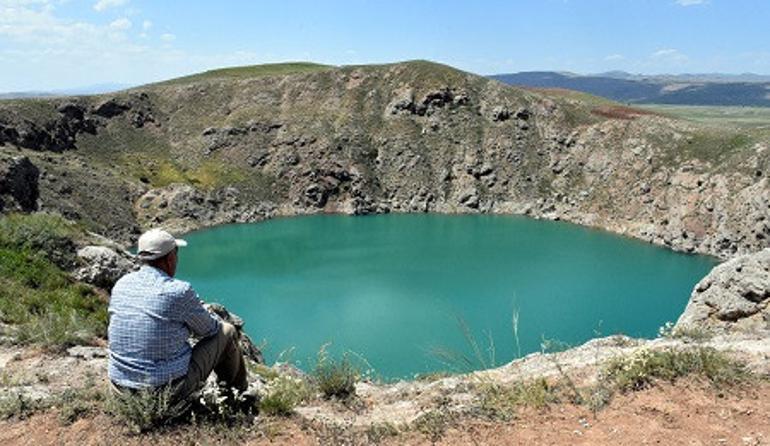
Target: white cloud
{"type": "Point", "coordinates": [666, 58]}
{"type": "Point", "coordinates": [38, 41]}
{"type": "Point", "coordinates": [690, 2]}
{"type": "Point", "coordinates": [121, 24]}
{"type": "Point", "coordinates": [42, 49]}
{"type": "Point", "coordinates": [666, 52]}
{"type": "Point", "coordinates": [669, 54]}
{"type": "Point", "coordinates": [102, 5]}
{"type": "Point", "coordinates": [614, 57]}
{"type": "Point", "coordinates": [146, 25]}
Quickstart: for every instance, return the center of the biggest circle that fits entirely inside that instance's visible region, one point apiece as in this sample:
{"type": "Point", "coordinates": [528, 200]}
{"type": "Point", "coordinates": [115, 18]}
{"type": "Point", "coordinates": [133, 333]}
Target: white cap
{"type": "Point", "coordinates": [156, 243]}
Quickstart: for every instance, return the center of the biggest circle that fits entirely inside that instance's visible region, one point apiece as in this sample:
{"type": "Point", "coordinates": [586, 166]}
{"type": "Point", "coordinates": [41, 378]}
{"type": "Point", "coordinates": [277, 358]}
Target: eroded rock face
{"type": "Point", "coordinates": [733, 295]}
{"type": "Point", "coordinates": [56, 133]}
{"type": "Point", "coordinates": [18, 184]}
{"type": "Point", "coordinates": [180, 208]}
{"type": "Point", "coordinates": [103, 266]}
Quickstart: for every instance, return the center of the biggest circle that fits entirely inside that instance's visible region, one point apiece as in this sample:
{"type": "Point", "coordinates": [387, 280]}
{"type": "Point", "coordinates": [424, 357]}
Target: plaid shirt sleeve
{"type": "Point", "coordinates": [201, 323]}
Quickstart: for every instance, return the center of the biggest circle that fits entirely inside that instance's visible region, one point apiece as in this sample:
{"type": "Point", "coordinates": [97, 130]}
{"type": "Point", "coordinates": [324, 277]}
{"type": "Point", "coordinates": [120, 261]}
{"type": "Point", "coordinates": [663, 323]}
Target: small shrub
{"type": "Point", "coordinates": [17, 405]}
{"type": "Point", "coordinates": [378, 432]}
{"type": "Point", "coordinates": [640, 369]}
{"type": "Point", "coordinates": [433, 424]}
{"type": "Point", "coordinates": [597, 397]}
{"type": "Point", "coordinates": [501, 401]}
{"type": "Point", "coordinates": [74, 404]}
{"type": "Point", "coordinates": [283, 394]}
{"type": "Point", "coordinates": [335, 378]}
{"type": "Point", "coordinates": [145, 410]}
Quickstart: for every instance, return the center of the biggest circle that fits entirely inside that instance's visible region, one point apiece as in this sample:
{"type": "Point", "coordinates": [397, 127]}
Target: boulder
{"type": "Point", "coordinates": [402, 103]}
{"type": "Point", "coordinates": [500, 113]}
{"type": "Point", "coordinates": [249, 349]}
{"type": "Point", "coordinates": [110, 108]}
{"type": "Point", "coordinates": [733, 295]}
{"type": "Point", "coordinates": [18, 184]}
{"type": "Point", "coordinates": [103, 266]}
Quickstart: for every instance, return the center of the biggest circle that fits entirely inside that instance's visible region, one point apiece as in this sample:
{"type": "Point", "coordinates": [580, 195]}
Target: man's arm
{"type": "Point", "coordinates": [201, 323]}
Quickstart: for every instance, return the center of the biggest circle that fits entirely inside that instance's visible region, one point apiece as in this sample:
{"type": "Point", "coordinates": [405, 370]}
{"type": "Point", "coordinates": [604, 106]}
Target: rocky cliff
{"type": "Point", "coordinates": [734, 296]}
{"type": "Point", "coordinates": [408, 137]}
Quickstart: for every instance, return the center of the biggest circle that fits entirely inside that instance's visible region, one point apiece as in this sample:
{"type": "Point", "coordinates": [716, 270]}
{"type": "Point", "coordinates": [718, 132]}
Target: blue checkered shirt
{"type": "Point", "coordinates": [151, 318]}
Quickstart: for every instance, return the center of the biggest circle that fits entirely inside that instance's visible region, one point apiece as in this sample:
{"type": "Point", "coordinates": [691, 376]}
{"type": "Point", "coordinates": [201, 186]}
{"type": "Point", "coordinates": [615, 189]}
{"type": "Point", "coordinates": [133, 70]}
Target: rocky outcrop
{"type": "Point", "coordinates": [248, 348]}
{"type": "Point", "coordinates": [181, 207]}
{"type": "Point", "coordinates": [57, 130]}
{"type": "Point", "coordinates": [103, 266]}
{"type": "Point", "coordinates": [18, 184]}
{"type": "Point", "coordinates": [734, 295]}
{"type": "Point", "coordinates": [57, 133]}
{"type": "Point", "coordinates": [404, 101]}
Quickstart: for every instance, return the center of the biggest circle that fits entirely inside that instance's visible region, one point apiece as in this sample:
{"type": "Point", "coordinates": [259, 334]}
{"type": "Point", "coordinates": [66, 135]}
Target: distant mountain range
{"type": "Point", "coordinates": [80, 91]}
{"type": "Point", "coordinates": [683, 89]}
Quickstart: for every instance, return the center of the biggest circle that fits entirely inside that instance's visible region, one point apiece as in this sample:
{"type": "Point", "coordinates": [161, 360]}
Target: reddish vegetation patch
{"type": "Point", "coordinates": [620, 112]}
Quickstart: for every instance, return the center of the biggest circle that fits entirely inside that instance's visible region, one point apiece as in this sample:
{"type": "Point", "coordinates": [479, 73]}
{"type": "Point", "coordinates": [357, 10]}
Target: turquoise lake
{"type": "Point", "coordinates": [398, 290]}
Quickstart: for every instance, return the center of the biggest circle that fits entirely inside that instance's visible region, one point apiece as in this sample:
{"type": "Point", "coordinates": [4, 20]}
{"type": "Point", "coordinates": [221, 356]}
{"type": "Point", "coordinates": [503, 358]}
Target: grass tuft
{"type": "Point", "coordinates": [283, 394]}
{"type": "Point", "coordinates": [500, 402]}
{"type": "Point", "coordinates": [335, 378]}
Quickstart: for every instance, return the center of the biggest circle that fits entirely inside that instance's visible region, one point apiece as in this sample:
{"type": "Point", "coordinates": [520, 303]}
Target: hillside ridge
{"type": "Point", "coordinates": [405, 137]}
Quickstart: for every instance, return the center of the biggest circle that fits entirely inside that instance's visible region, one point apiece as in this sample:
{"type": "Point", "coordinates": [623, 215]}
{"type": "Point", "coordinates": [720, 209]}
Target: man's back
{"type": "Point", "coordinates": [151, 317]}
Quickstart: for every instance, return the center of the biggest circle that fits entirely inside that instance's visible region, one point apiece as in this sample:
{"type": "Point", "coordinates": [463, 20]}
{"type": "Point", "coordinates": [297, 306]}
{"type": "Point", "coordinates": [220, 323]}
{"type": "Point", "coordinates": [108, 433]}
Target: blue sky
{"type": "Point", "coordinates": [53, 44]}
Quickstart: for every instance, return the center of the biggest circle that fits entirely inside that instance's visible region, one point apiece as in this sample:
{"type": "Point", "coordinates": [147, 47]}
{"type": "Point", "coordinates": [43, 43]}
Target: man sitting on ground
{"type": "Point", "coordinates": [152, 316]}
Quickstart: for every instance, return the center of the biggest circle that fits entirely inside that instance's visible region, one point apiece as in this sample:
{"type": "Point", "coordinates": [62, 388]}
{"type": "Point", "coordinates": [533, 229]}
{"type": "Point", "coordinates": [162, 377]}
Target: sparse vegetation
{"type": "Point", "coordinates": [160, 171]}
{"type": "Point", "coordinates": [500, 402]}
{"type": "Point", "coordinates": [641, 369]}
{"type": "Point", "coordinates": [71, 404]}
{"type": "Point", "coordinates": [433, 424]}
{"type": "Point", "coordinates": [46, 234]}
{"type": "Point", "coordinates": [481, 356]}
{"type": "Point", "coordinates": [378, 432]}
{"type": "Point", "coordinates": [43, 304]}
{"type": "Point", "coordinates": [690, 333]}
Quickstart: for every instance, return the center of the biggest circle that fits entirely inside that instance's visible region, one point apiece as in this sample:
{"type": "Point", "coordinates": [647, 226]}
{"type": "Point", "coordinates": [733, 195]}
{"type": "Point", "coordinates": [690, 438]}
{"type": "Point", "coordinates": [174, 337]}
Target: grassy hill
{"type": "Point", "coordinates": [245, 72]}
